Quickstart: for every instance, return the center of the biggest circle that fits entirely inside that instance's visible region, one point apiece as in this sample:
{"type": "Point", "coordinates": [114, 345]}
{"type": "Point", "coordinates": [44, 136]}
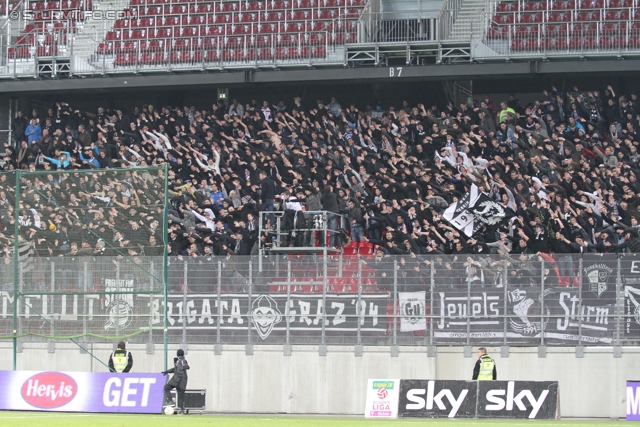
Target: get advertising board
{"type": "Point", "coordinates": [81, 392]}
{"type": "Point", "coordinates": [477, 399]}
{"type": "Point", "coordinates": [633, 400]}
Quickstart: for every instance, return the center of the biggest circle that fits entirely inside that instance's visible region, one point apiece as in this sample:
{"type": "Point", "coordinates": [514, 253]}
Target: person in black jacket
{"type": "Point", "coordinates": [267, 195]}
{"type": "Point", "coordinates": [178, 380]}
{"type": "Point", "coordinates": [330, 203]}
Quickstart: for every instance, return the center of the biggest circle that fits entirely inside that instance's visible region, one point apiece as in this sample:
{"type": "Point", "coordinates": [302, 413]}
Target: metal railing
{"type": "Point", "coordinates": [447, 17]}
{"type": "Point", "coordinates": [565, 39]}
{"type": "Point", "coordinates": [520, 300]}
{"type": "Point", "coordinates": [384, 27]}
{"type": "Point", "coordinates": [154, 45]}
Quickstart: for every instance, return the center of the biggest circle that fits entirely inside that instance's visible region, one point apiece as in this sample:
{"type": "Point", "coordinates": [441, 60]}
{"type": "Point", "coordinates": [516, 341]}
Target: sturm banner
{"type": "Point", "coordinates": [81, 392]}
{"type": "Point", "coordinates": [478, 399]}
{"type": "Point", "coordinates": [522, 314]}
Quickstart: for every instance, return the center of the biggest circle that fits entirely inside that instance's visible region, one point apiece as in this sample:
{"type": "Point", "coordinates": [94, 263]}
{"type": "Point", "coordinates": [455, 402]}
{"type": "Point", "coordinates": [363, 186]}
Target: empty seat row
{"type": "Point", "coordinates": [61, 5]}
{"type": "Point", "coordinates": [156, 45]}
{"type": "Point", "coordinates": [552, 30]}
{"type": "Point", "coordinates": [203, 16]}
{"type": "Point", "coordinates": [564, 5]}
{"type": "Point", "coordinates": [575, 43]}
{"type": "Point", "coordinates": [218, 42]}
{"type": "Point", "coordinates": [594, 16]}
{"type": "Point", "coordinates": [24, 52]}
{"type": "Point", "coordinates": [225, 55]}
{"type": "Point", "coordinates": [145, 34]}
{"type": "Point", "coordinates": [202, 20]}
{"type": "Point", "coordinates": [241, 6]}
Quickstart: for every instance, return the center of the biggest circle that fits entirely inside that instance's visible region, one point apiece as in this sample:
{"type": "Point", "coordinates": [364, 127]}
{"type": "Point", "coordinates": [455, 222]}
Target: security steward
{"type": "Point", "coordinates": [120, 360]}
{"type": "Point", "coordinates": [485, 369]}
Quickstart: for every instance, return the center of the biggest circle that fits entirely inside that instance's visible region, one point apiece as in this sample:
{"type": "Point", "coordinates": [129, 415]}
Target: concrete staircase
{"type": "Point", "coordinates": [94, 30]}
{"type": "Point", "coordinates": [471, 21]}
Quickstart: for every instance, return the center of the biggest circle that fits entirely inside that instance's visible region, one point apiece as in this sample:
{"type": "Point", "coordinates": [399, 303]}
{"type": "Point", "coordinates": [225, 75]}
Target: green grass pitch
{"type": "Point", "coordinates": [42, 419]}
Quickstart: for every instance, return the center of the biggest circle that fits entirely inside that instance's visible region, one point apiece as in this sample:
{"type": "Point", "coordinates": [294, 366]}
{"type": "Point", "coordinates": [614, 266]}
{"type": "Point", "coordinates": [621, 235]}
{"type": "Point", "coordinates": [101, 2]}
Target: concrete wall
{"type": "Point", "coordinates": [305, 382]}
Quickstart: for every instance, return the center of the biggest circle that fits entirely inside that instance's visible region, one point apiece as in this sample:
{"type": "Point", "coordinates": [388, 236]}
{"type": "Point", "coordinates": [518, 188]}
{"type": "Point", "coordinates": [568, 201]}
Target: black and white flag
{"type": "Point", "coordinates": [474, 211]}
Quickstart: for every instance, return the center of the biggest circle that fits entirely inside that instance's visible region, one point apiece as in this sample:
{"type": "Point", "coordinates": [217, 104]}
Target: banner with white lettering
{"type": "Point", "coordinates": [630, 271]}
{"type": "Point", "coordinates": [521, 314]}
{"type": "Point", "coordinates": [268, 312]}
{"type": "Point", "coordinates": [478, 399]}
{"type": "Point", "coordinates": [412, 311]}
{"type": "Point", "coordinates": [382, 399]}
{"type": "Point", "coordinates": [81, 392]}
{"type": "Point", "coordinates": [437, 399]}
{"type": "Point", "coordinates": [518, 399]}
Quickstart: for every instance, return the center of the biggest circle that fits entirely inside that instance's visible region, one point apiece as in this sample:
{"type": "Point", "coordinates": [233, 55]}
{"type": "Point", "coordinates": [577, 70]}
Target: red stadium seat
{"type": "Point", "coordinates": [556, 17]}
{"type": "Point", "coordinates": [624, 15]}
{"type": "Point", "coordinates": [612, 15]}
{"type": "Point", "coordinates": [531, 5]}
{"type": "Point", "coordinates": [211, 56]}
{"type": "Point", "coordinates": [560, 43]}
{"type": "Point", "coordinates": [634, 41]}
{"type": "Point", "coordinates": [526, 18]}
{"type": "Point", "coordinates": [517, 45]}
{"type": "Point", "coordinates": [265, 54]}
{"type": "Point", "coordinates": [503, 7]}
{"type": "Point", "coordinates": [521, 32]}
{"type": "Point", "coordinates": [589, 43]}
{"type": "Point", "coordinates": [558, 5]}
{"type": "Point", "coordinates": [575, 43]}
{"type": "Point", "coordinates": [583, 16]}
{"type": "Point", "coordinates": [591, 4]}
{"type": "Point", "coordinates": [531, 44]}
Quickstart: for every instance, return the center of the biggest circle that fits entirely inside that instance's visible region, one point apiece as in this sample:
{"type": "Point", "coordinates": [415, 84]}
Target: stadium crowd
{"type": "Point", "coordinates": [565, 168]}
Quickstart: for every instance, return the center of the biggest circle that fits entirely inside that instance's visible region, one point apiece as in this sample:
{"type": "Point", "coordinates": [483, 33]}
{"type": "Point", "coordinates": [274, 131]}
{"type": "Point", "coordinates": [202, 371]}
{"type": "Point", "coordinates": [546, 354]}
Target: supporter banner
{"type": "Point", "coordinates": [633, 400]}
{"type": "Point", "coordinates": [518, 399]}
{"type": "Point", "coordinates": [437, 399]}
{"type": "Point", "coordinates": [382, 399]}
{"type": "Point", "coordinates": [81, 392]}
{"type": "Point", "coordinates": [478, 399]}
{"type": "Point", "coordinates": [269, 312]}
{"type": "Point", "coordinates": [630, 267]}
{"type": "Point", "coordinates": [599, 278]}
{"type": "Point", "coordinates": [412, 311]}
{"type": "Point", "coordinates": [481, 316]}
{"type": "Point", "coordinates": [473, 211]}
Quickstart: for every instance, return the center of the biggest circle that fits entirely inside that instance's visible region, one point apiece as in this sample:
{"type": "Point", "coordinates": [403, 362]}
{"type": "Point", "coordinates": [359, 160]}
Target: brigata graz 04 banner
{"type": "Point", "coordinates": [269, 312]}
{"type": "Point", "coordinates": [478, 399]}
{"type": "Point", "coordinates": [81, 392]}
